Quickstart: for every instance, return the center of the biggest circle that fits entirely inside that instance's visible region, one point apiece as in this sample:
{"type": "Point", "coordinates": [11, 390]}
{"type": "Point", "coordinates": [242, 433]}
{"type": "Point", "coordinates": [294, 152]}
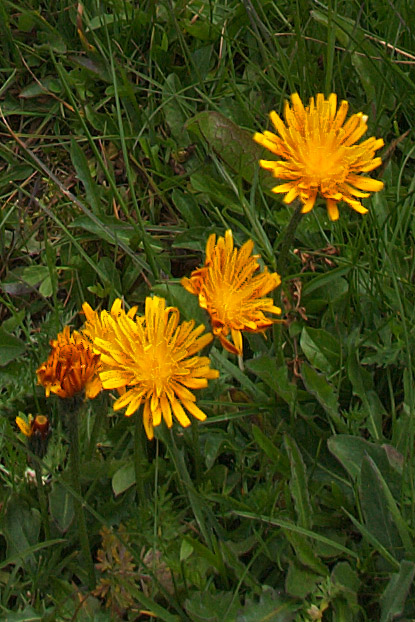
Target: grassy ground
{"type": "Point", "coordinates": [125, 140]}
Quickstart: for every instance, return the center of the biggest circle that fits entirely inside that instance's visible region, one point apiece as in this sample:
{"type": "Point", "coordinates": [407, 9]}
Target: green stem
{"type": "Point", "coordinates": [140, 458]}
{"type": "Point", "coordinates": [42, 497]}
{"type": "Point", "coordinates": [282, 263]}
{"type": "Point", "coordinates": [196, 452]}
{"type": "Point", "coordinates": [288, 239]}
{"type": "Point", "coordinates": [100, 415]}
{"type": "Point", "coordinates": [73, 427]}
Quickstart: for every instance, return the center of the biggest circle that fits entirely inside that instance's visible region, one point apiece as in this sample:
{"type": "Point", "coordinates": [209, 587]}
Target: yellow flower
{"type": "Point", "coordinates": [231, 292]}
{"type": "Point", "coordinates": [320, 155]}
{"type": "Point", "coordinates": [71, 367]}
{"type": "Point", "coordinates": [152, 358]}
{"type": "Point", "coordinates": [97, 325]}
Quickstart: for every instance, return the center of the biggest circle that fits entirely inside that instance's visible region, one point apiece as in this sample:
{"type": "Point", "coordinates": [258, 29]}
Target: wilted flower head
{"type": "Point", "coordinates": [37, 430]}
{"type": "Point", "coordinates": [320, 155]}
{"type": "Point", "coordinates": [152, 358]}
{"type": "Point", "coordinates": [118, 573]}
{"type": "Point", "coordinates": [71, 367]}
{"type": "Point", "coordinates": [231, 289]}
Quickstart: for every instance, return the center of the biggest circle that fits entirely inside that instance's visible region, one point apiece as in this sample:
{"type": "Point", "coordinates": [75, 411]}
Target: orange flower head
{"type": "Point", "coordinates": [320, 154]}
{"type": "Point", "coordinates": [71, 367]}
{"type": "Point", "coordinates": [232, 290]}
{"type": "Point", "coordinates": [152, 358]}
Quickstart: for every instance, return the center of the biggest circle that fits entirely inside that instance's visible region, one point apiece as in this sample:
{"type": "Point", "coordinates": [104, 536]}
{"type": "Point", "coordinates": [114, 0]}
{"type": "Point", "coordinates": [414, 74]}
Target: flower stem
{"type": "Point", "coordinates": [288, 239]}
{"type": "Point", "coordinates": [73, 428]}
{"type": "Point", "coordinates": [100, 414]}
{"type": "Point", "coordinates": [140, 458]}
{"type": "Point", "coordinates": [42, 497]}
{"type": "Point", "coordinates": [282, 263]}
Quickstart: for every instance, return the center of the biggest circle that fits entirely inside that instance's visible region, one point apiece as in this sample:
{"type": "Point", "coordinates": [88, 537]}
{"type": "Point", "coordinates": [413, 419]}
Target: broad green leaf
{"type": "Point", "coordinates": [123, 479]}
{"type": "Point", "coordinates": [61, 506]}
{"type": "Point", "coordinates": [189, 210]}
{"type": "Point", "coordinates": [229, 367]}
{"type": "Point", "coordinates": [305, 554]}
{"type": "Point", "coordinates": [82, 169]}
{"type": "Point", "coordinates": [299, 582]}
{"type": "Point", "coordinates": [377, 503]}
{"type": "Point", "coordinates": [285, 524]}
{"type": "Point", "coordinates": [324, 393]}
{"type": "Point", "coordinates": [347, 31]}
{"type": "Point", "coordinates": [367, 74]}
{"type": "Point", "coordinates": [34, 275]}
{"type": "Point", "coordinates": [20, 526]}
{"type": "Point", "coordinates": [271, 607]}
{"type": "Point", "coordinates": [377, 545]}
{"type": "Point", "coordinates": [392, 506]}
{"type": "Point", "coordinates": [112, 231]}
{"type": "Point", "coordinates": [10, 347]}
{"type": "Point", "coordinates": [362, 384]}
{"type": "Point", "coordinates": [299, 484]}
{"type": "Point", "coordinates": [393, 599]}
{"type": "Point", "coordinates": [332, 282]}
{"type": "Point", "coordinates": [321, 348]}
{"type": "Point", "coordinates": [272, 451]}
{"type": "Point", "coordinates": [27, 615]}
{"type": "Point", "coordinates": [232, 144]}
{"type": "Point", "coordinates": [212, 606]}
{"type": "Point", "coordinates": [173, 111]}
{"type": "Point", "coordinates": [345, 585]}
{"type": "Point", "coordinates": [219, 192]}
{"type": "Point", "coordinates": [265, 367]}
{"type": "Point", "coordinates": [350, 451]}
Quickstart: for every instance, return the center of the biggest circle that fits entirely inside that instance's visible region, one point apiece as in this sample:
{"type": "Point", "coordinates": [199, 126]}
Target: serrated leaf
{"type": "Point", "coordinates": [299, 484]}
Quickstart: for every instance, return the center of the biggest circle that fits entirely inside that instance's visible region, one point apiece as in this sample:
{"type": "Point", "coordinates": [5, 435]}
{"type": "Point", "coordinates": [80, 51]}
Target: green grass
{"type": "Point", "coordinates": [125, 140]}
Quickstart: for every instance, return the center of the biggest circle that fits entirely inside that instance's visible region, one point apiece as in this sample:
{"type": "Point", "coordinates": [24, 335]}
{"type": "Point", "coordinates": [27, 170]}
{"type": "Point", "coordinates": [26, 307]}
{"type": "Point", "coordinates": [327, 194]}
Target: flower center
{"type": "Point", "coordinates": [324, 161]}
{"type": "Point", "coordinates": [157, 366]}
{"type": "Point", "coordinates": [226, 302]}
